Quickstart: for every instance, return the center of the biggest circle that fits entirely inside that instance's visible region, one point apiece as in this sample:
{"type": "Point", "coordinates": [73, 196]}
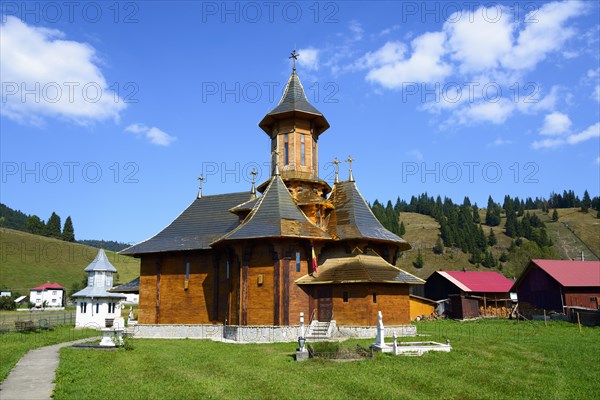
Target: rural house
{"type": "Point", "coordinates": [561, 286]}
{"type": "Point", "coordinates": [471, 294]}
{"type": "Point", "coordinates": [298, 245]}
{"type": "Point", "coordinates": [47, 295]}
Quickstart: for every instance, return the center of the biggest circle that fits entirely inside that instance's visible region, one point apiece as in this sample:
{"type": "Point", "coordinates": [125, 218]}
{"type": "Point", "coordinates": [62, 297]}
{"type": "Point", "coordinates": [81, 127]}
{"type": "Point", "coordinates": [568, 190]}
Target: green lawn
{"type": "Point", "coordinates": [13, 346]}
{"type": "Point", "coordinates": [490, 360]}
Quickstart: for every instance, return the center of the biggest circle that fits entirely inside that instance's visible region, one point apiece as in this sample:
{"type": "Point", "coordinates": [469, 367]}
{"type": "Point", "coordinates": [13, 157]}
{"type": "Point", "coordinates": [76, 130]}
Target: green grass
{"type": "Point", "coordinates": [490, 360]}
{"type": "Point", "coordinates": [28, 260]}
{"type": "Point", "coordinates": [13, 346]}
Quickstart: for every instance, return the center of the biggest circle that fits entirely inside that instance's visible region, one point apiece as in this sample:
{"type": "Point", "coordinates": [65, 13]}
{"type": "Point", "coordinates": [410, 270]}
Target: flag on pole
{"type": "Point", "coordinates": [314, 260]}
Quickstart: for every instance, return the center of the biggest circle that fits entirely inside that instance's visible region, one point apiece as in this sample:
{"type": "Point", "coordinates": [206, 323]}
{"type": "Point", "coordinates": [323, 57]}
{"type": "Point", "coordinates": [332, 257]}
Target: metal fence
{"type": "Point", "coordinates": [35, 320]}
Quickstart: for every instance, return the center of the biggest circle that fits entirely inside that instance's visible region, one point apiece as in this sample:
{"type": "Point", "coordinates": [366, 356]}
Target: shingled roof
{"type": "Point", "coordinates": [352, 217]}
{"type": "Point", "coordinates": [293, 102]}
{"type": "Point", "coordinates": [205, 220]}
{"type": "Point", "coordinates": [276, 215]}
{"type": "Point", "coordinates": [356, 268]}
{"type": "Point", "coordinates": [100, 263]}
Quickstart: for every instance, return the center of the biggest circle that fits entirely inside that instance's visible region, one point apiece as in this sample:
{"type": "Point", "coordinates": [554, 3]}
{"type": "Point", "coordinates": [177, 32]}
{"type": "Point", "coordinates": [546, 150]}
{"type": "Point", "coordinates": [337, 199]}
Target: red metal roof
{"type": "Point", "coordinates": [479, 281]}
{"type": "Point", "coordinates": [47, 286]}
{"type": "Point", "coordinates": [572, 273]}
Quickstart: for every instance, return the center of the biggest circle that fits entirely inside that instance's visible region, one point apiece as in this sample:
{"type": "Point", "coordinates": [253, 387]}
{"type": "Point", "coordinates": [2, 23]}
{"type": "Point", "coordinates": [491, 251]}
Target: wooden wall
{"type": "Point", "coordinates": [540, 290]}
{"type": "Point", "coordinates": [392, 301]}
{"type": "Point", "coordinates": [419, 307]}
{"type": "Point", "coordinates": [582, 297]}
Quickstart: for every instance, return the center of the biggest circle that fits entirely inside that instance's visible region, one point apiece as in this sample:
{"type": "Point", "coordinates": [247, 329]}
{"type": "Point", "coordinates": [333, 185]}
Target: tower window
{"type": "Point", "coordinates": [374, 298]}
{"type": "Point", "coordinates": [302, 150]}
{"type": "Point", "coordinates": [187, 271]}
{"type": "Point", "coordinates": [297, 261]}
{"type": "Point", "coordinates": [286, 149]}
{"type": "Point", "coordinates": [345, 297]}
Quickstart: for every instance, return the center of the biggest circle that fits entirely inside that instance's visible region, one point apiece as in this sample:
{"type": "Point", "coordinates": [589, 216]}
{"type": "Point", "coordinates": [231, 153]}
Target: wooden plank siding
{"type": "Point", "coordinates": [392, 301]}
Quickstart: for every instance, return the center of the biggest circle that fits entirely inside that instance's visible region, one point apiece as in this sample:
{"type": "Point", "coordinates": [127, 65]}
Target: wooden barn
{"type": "Point", "coordinates": [471, 294]}
{"type": "Point", "coordinates": [559, 285]}
{"type": "Point", "coordinates": [298, 245]}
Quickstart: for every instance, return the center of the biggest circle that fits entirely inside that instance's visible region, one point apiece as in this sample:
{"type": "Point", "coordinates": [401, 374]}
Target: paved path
{"type": "Point", "coordinates": [33, 376]}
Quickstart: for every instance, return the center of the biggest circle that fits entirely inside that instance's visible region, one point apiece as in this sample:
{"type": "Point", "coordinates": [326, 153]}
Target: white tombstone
{"type": "Point", "coordinates": [395, 349]}
{"type": "Point", "coordinates": [380, 338]}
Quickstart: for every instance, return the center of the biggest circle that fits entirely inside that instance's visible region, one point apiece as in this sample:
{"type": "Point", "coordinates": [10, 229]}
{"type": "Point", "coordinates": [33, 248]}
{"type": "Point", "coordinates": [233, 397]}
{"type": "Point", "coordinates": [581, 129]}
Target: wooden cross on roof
{"type": "Point", "coordinates": [294, 56]}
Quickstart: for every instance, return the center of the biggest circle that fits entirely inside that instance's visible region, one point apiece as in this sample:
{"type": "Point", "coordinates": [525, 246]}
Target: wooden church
{"type": "Point", "coordinates": [298, 245]}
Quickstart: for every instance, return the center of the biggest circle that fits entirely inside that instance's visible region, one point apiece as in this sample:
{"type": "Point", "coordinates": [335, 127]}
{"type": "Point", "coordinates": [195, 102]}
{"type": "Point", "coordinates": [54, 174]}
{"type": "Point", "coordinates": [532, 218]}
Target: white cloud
{"type": "Point", "coordinates": [547, 143]}
{"type": "Point", "coordinates": [477, 43]}
{"type": "Point", "coordinates": [356, 29]}
{"type": "Point", "coordinates": [415, 153]}
{"type": "Point", "coordinates": [496, 113]}
{"type": "Point", "coordinates": [64, 75]}
{"type": "Point", "coordinates": [389, 68]}
{"type": "Point", "coordinates": [154, 135]}
{"type": "Point", "coordinates": [309, 58]}
{"type": "Point", "coordinates": [389, 30]}
{"type": "Point", "coordinates": [590, 133]}
{"type": "Point", "coordinates": [555, 124]}
{"type": "Point", "coordinates": [499, 142]}
{"type": "Point", "coordinates": [545, 32]}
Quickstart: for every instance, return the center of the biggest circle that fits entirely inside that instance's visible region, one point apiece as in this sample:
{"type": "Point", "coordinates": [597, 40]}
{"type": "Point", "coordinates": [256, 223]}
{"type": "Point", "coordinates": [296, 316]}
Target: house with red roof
{"type": "Point", "coordinates": [471, 294]}
{"type": "Point", "coordinates": [559, 285]}
{"type": "Point", "coordinates": [47, 295]}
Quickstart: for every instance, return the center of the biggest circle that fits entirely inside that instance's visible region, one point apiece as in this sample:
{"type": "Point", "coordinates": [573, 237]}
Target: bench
{"type": "Point", "coordinates": [24, 326]}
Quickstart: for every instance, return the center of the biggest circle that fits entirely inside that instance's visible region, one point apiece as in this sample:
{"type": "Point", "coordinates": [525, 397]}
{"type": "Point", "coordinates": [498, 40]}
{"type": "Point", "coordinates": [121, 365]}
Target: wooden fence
{"type": "Point", "coordinates": [35, 320]}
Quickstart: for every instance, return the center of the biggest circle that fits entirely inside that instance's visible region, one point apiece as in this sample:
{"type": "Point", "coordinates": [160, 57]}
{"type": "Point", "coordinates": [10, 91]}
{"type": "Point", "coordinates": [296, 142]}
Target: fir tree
{"type": "Point", "coordinates": [419, 260]}
{"type": "Point", "coordinates": [476, 217]}
{"type": "Point", "coordinates": [492, 214]}
{"type": "Point", "coordinates": [554, 215]}
{"type": "Point", "coordinates": [68, 234]}
{"type": "Point", "coordinates": [35, 225]}
{"type": "Point", "coordinates": [492, 241]}
{"type": "Point", "coordinates": [586, 202]}
{"type": "Point", "coordinates": [439, 247]}
{"type": "Point", "coordinates": [402, 229]}
{"type": "Point", "coordinates": [53, 226]}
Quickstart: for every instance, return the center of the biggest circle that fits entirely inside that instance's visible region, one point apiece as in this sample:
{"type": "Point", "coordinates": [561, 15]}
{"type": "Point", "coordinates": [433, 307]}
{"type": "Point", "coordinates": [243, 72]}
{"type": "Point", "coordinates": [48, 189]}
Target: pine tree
{"type": "Point", "coordinates": [586, 202]}
{"type": "Point", "coordinates": [68, 234]}
{"type": "Point", "coordinates": [439, 247]}
{"type": "Point", "coordinates": [402, 229]}
{"type": "Point", "coordinates": [419, 261]}
{"type": "Point", "coordinates": [492, 241]}
{"type": "Point", "coordinates": [554, 215]}
{"type": "Point", "coordinates": [476, 217]}
{"type": "Point", "coordinates": [53, 226]}
{"type": "Point", "coordinates": [35, 225]}
{"type": "Point", "coordinates": [492, 214]}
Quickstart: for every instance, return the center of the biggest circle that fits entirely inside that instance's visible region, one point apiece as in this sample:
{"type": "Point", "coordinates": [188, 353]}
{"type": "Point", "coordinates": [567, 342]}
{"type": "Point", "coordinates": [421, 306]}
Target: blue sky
{"type": "Point", "coordinates": [110, 111]}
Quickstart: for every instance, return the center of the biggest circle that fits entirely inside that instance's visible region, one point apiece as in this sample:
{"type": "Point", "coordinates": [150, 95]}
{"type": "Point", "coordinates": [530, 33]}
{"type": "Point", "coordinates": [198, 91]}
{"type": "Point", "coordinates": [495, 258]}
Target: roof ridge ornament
{"type": "Point", "coordinates": [274, 155]}
{"type": "Point", "coordinates": [336, 163]}
{"type": "Point", "coordinates": [253, 173]}
{"type": "Point", "coordinates": [294, 57]}
{"type": "Point", "coordinates": [201, 179]}
{"type": "Point", "coordinates": [349, 161]}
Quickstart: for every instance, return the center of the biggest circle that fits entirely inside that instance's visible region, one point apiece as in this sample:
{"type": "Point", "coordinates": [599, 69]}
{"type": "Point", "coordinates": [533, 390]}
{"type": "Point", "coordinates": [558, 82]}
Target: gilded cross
{"type": "Point", "coordinates": [349, 161]}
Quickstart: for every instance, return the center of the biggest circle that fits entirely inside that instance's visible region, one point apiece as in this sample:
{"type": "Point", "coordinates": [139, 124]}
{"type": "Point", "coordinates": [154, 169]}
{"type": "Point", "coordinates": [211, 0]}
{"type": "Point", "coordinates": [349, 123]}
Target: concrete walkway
{"type": "Point", "coordinates": [33, 376]}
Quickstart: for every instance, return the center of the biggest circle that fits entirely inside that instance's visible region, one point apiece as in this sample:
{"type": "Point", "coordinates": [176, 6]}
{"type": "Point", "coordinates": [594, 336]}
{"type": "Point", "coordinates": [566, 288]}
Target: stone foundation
{"type": "Point", "coordinates": [258, 334]}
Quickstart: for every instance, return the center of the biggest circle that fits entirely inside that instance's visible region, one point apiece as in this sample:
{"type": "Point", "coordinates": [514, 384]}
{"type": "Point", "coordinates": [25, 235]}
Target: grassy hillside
{"type": "Point", "coordinates": [28, 260]}
{"type": "Point", "coordinates": [575, 231]}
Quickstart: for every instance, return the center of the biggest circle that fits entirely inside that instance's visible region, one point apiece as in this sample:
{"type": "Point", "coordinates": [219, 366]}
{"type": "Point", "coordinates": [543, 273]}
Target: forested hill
{"type": "Point", "coordinates": [501, 236]}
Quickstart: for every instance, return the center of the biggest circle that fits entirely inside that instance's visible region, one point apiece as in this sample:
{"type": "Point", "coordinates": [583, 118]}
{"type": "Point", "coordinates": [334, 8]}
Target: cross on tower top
{"type": "Point", "coordinates": [294, 56]}
{"type": "Point", "coordinates": [336, 163]}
